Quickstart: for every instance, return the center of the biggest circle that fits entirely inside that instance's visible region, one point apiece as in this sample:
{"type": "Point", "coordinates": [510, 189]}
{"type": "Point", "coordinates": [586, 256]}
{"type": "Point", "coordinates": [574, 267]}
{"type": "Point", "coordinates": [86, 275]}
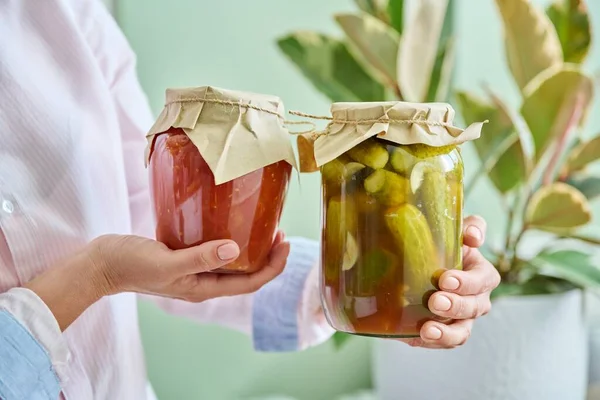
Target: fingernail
{"type": "Point", "coordinates": [450, 283]}
{"type": "Point", "coordinates": [228, 251]}
{"type": "Point", "coordinates": [433, 333]}
{"type": "Point", "coordinates": [442, 303]}
{"type": "Point", "coordinates": [474, 232]}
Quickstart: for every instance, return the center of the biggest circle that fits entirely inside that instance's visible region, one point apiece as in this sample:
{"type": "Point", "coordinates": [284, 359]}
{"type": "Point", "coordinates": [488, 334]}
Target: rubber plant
{"type": "Point", "coordinates": [534, 156]}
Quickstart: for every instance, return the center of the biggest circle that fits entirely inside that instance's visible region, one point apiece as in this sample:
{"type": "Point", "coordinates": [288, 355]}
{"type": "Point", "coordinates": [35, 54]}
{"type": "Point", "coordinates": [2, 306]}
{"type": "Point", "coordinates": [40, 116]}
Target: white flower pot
{"type": "Point", "coordinates": [527, 348]}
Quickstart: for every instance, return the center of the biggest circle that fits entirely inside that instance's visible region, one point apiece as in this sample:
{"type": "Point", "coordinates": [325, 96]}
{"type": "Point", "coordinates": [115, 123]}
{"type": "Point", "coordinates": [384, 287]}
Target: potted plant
{"type": "Point", "coordinates": [534, 343]}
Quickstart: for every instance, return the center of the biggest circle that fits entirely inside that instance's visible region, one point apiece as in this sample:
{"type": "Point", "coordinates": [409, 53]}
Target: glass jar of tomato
{"type": "Point", "coordinates": [190, 206]}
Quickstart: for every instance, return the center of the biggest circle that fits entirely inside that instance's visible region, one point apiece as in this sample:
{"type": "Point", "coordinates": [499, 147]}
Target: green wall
{"type": "Point", "coordinates": [230, 43]}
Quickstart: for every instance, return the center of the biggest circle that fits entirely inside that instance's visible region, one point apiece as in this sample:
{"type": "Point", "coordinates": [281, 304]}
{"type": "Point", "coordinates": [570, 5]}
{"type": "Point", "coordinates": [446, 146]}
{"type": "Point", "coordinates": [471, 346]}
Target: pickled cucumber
{"type": "Point", "coordinates": [421, 150]}
{"type": "Point", "coordinates": [402, 161]}
{"type": "Point", "coordinates": [438, 199]}
{"type": "Point", "coordinates": [339, 243]}
{"type": "Point", "coordinates": [339, 170]}
{"type": "Point", "coordinates": [387, 187]}
{"type": "Point", "coordinates": [370, 270]}
{"type": "Point", "coordinates": [410, 230]}
{"type": "Point", "coordinates": [366, 203]}
{"type": "Point", "coordinates": [371, 153]}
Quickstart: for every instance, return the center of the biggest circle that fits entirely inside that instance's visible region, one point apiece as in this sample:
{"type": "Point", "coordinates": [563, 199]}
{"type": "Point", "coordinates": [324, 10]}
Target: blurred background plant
{"type": "Point", "coordinates": [534, 156]}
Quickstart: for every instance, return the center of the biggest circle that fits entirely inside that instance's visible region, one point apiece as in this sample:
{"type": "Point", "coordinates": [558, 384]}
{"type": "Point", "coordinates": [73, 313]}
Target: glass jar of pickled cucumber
{"type": "Point", "coordinates": [220, 162]}
{"type": "Point", "coordinates": [392, 213]}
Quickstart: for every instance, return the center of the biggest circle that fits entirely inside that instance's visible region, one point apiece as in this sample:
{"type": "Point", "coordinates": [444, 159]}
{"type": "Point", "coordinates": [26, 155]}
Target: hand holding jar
{"type": "Point", "coordinates": [113, 264]}
{"type": "Point", "coordinates": [392, 179]}
{"type": "Point", "coordinates": [464, 295]}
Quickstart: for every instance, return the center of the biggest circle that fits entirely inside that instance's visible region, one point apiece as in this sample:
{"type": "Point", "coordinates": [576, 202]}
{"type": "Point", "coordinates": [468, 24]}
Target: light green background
{"type": "Point", "coordinates": [230, 43]}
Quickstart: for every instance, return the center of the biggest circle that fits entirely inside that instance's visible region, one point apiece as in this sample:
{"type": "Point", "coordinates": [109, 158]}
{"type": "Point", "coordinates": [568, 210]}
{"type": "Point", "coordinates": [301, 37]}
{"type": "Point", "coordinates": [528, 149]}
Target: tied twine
{"type": "Point", "coordinates": [247, 106]}
{"type": "Point", "coordinates": [313, 131]}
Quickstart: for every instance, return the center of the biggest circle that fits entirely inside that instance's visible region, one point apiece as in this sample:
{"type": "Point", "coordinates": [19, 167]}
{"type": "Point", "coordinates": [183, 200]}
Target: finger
{"type": "Point", "coordinates": [279, 237]}
{"type": "Point", "coordinates": [202, 258]}
{"type": "Point", "coordinates": [474, 231]}
{"type": "Point", "coordinates": [438, 335]}
{"type": "Point", "coordinates": [453, 306]}
{"type": "Point", "coordinates": [478, 276]}
{"type": "Point", "coordinates": [217, 285]}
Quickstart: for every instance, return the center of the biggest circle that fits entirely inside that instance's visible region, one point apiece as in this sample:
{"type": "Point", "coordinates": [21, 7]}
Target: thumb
{"type": "Point", "coordinates": [205, 257]}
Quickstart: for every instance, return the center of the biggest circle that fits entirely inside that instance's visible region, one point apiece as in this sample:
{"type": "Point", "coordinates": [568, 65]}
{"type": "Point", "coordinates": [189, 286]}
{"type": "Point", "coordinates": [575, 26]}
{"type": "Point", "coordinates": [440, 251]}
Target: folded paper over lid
{"type": "Point", "coordinates": [235, 132]}
{"type": "Point", "coordinates": [399, 122]}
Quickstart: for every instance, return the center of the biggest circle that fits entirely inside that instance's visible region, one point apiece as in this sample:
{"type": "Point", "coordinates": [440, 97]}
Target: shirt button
{"type": "Point", "coordinates": [8, 207]}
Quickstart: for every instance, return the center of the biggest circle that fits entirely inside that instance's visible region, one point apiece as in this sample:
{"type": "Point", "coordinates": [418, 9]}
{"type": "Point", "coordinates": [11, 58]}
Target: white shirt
{"type": "Point", "coordinates": [72, 135]}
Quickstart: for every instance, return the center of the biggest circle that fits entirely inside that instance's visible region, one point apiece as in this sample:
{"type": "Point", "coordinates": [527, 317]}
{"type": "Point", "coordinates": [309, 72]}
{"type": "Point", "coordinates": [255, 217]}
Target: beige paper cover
{"type": "Point", "coordinates": [398, 122]}
{"type": "Point", "coordinates": [235, 132]}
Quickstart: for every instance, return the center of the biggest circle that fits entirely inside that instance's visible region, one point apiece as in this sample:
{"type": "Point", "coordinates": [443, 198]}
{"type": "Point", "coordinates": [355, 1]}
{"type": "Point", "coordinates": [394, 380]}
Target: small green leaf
{"type": "Point", "coordinates": [395, 12]}
{"type": "Point", "coordinates": [532, 44]}
{"type": "Point", "coordinates": [328, 64]}
{"type": "Point", "coordinates": [571, 265]}
{"type": "Point", "coordinates": [537, 285]}
{"type": "Point", "coordinates": [558, 207]}
{"type": "Point", "coordinates": [556, 101]}
{"type": "Point", "coordinates": [510, 167]}
{"type": "Point", "coordinates": [374, 44]}
{"type": "Point", "coordinates": [376, 8]}
{"type": "Point", "coordinates": [572, 23]}
{"type": "Point", "coordinates": [340, 339]}
{"type": "Point", "coordinates": [583, 154]}
{"type": "Point", "coordinates": [588, 185]}
{"type": "Point", "coordinates": [419, 49]}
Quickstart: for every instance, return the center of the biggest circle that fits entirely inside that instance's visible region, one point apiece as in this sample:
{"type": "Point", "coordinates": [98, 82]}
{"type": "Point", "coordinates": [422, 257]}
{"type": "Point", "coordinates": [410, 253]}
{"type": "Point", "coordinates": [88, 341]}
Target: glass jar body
{"type": "Point", "coordinates": [391, 224]}
{"type": "Point", "coordinates": [190, 209]}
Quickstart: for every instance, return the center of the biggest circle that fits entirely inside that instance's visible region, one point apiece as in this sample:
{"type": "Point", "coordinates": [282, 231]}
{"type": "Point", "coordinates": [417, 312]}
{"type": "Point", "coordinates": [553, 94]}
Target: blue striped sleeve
{"type": "Point", "coordinates": [276, 305]}
{"type": "Point", "coordinates": [25, 367]}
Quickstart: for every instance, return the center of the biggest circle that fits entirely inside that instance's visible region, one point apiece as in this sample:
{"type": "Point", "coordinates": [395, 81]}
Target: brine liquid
{"type": "Point", "coordinates": [382, 250]}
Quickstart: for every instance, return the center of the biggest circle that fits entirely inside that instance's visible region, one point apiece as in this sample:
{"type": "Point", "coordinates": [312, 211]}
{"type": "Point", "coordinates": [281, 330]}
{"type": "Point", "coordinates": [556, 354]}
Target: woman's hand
{"type": "Point", "coordinates": [113, 264]}
{"type": "Point", "coordinates": [135, 264]}
{"type": "Point", "coordinates": [464, 295]}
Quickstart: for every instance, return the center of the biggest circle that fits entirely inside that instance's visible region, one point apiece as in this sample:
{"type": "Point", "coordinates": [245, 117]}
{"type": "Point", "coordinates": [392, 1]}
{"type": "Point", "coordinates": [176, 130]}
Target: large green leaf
{"type": "Point", "coordinates": [588, 185]}
{"type": "Point", "coordinates": [558, 207]}
{"type": "Point", "coordinates": [583, 154]}
{"type": "Point", "coordinates": [419, 49]}
{"type": "Point", "coordinates": [556, 101]}
{"type": "Point", "coordinates": [328, 64]}
{"type": "Point", "coordinates": [571, 265]}
{"type": "Point", "coordinates": [532, 44]}
{"type": "Point", "coordinates": [510, 167]}
{"type": "Point", "coordinates": [537, 285]}
{"type": "Point", "coordinates": [374, 43]}
{"type": "Point", "coordinates": [572, 23]}
{"type": "Point", "coordinates": [395, 12]}
{"type": "Point", "coordinates": [439, 84]}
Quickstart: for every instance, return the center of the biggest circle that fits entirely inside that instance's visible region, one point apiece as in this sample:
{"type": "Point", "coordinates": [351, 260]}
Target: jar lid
{"type": "Point", "coordinates": [235, 132]}
{"type": "Point", "coordinates": [400, 122]}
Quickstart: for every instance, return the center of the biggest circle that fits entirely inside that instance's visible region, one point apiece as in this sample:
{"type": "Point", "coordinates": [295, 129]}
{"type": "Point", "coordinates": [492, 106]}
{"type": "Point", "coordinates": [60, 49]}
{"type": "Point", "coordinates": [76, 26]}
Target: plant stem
{"type": "Point", "coordinates": [562, 140]}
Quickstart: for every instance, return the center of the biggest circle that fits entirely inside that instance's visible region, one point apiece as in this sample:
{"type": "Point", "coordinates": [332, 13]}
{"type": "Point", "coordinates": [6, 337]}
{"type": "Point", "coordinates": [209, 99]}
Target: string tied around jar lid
{"type": "Point", "coordinates": [249, 106]}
